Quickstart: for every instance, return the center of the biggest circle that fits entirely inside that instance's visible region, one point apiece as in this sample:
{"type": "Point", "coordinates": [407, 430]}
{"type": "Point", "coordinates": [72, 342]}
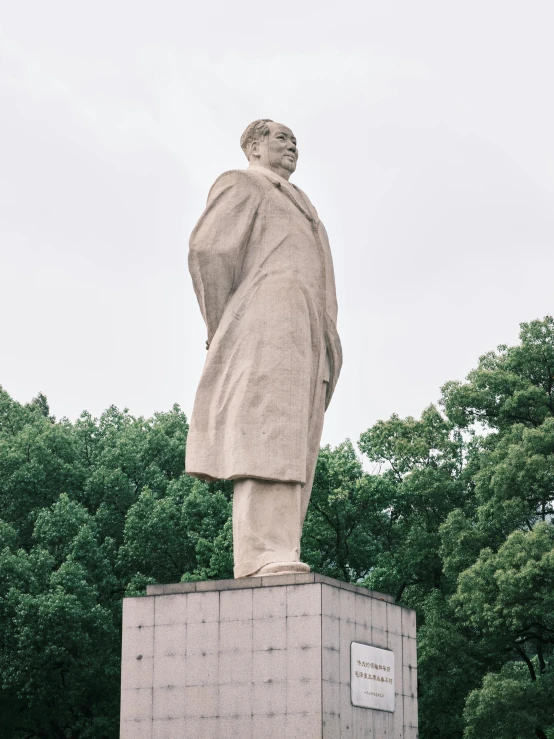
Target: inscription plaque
{"type": "Point", "coordinates": [371, 677]}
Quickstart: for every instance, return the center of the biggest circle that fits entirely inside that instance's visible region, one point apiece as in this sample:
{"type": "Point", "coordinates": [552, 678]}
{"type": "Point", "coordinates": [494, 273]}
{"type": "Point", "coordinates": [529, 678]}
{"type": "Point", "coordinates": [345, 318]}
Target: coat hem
{"type": "Point", "coordinates": [249, 569]}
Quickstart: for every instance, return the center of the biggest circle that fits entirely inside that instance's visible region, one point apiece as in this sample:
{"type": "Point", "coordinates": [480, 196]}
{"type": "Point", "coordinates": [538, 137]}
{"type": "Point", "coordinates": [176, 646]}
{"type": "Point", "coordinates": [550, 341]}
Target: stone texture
{"type": "Point", "coordinates": [241, 268]}
{"type": "Point", "coordinates": [275, 315]}
{"type": "Point", "coordinates": [267, 661]}
{"type": "Point", "coordinates": [256, 582]}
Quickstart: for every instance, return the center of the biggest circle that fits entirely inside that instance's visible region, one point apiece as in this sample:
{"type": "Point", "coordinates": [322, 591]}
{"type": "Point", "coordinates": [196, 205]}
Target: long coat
{"type": "Point", "coordinates": [262, 272]}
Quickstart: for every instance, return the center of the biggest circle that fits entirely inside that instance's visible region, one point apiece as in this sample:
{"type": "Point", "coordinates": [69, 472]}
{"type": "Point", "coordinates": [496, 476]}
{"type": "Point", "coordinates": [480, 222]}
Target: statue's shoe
{"type": "Point", "coordinates": [282, 568]}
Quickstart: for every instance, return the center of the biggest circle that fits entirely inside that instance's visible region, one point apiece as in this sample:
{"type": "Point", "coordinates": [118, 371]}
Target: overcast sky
{"type": "Point", "coordinates": [425, 132]}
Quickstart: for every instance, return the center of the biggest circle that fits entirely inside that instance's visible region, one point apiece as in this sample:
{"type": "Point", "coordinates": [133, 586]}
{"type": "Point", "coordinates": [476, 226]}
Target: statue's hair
{"type": "Point", "coordinates": [254, 132]}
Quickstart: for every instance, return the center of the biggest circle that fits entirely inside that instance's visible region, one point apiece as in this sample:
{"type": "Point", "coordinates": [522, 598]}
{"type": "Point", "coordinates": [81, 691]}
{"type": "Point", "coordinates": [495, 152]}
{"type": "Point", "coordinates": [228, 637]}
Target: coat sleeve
{"type": "Point", "coordinates": [218, 242]}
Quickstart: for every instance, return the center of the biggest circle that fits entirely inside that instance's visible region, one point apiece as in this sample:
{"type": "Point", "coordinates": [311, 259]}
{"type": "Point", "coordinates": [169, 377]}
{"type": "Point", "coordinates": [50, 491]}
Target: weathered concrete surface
{"type": "Point", "coordinates": [263, 658]}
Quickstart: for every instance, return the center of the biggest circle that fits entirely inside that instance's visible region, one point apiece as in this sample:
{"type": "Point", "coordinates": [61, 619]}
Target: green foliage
{"type": "Point", "coordinates": [510, 706]}
{"type": "Point", "coordinates": [470, 514]}
{"type": "Point", "coordinates": [422, 464]}
{"type": "Point", "coordinates": [450, 663]}
{"type": "Point", "coordinates": [510, 386]}
{"type": "Point", "coordinates": [342, 532]}
{"type": "Point", "coordinates": [497, 549]}
{"type": "Point", "coordinates": [88, 512]}
{"type": "Point", "coordinates": [451, 513]}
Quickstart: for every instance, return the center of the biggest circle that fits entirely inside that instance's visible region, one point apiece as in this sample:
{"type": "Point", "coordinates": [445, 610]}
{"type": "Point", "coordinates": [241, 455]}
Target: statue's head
{"type": "Point", "coordinates": [271, 145]}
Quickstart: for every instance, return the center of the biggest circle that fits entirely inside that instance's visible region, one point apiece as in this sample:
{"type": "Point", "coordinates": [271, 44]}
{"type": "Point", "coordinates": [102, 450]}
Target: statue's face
{"type": "Point", "coordinates": [277, 151]}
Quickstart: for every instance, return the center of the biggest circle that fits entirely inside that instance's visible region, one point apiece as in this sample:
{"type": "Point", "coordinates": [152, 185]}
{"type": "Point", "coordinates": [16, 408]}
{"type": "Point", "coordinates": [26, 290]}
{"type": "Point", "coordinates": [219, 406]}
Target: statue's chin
{"type": "Point", "coordinates": [288, 164]}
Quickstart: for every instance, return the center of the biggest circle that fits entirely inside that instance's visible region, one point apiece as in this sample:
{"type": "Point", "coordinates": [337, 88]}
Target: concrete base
{"type": "Point", "coordinates": [261, 658]}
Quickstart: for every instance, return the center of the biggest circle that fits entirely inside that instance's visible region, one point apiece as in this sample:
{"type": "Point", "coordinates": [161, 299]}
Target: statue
{"type": "Point", "coordinates": [263, 274]}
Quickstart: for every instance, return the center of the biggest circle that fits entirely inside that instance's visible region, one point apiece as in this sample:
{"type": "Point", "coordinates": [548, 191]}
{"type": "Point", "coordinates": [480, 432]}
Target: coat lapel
{"type": "Point", "coordinates": [294, 194]}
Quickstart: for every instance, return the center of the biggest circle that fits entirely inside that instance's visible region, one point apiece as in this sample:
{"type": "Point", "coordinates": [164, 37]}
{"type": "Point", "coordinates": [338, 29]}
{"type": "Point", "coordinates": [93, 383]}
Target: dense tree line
{"type": "Point", "coordinates": [454, 518]}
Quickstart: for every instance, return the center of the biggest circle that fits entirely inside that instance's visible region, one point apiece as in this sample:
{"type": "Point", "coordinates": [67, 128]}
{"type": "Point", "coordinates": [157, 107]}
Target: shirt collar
{"type": "Point", "coordinates": [259, 168]}
{"type": "Point", "coordinates": [296, 195]}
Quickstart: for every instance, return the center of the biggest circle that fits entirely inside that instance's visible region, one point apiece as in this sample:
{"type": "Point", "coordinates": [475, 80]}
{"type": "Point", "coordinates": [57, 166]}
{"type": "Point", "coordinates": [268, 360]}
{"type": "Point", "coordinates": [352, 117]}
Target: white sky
{"type": "Point", "coordinates": [426, 143]}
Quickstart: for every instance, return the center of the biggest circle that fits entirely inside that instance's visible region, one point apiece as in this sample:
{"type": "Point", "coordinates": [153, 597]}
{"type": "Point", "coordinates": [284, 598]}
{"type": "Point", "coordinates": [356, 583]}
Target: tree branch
{"type": "Point", "coordinates": [528, 662]}
{"type": "Point", "coordinates": [400, 591]}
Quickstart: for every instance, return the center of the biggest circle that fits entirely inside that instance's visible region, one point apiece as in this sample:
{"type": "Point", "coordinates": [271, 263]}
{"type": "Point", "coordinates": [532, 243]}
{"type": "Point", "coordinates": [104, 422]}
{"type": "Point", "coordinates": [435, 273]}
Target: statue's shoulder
{"type": "Point", "coordinates": [243, 178]}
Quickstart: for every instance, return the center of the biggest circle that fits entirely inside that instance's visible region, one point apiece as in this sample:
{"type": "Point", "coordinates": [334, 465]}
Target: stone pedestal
{"type": "Point", "coordinates": [263, 658]}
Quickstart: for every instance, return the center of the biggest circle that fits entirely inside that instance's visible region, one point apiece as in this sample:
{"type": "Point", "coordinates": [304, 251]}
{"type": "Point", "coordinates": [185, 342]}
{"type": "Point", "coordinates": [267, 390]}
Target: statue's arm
{"type": "Point", "coordinates": [218, 242]}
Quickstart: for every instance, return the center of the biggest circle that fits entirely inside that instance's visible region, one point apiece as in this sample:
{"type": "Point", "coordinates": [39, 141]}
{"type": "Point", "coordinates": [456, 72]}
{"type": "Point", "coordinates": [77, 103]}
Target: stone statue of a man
{"type": "Point", "coordinates": [263, 275]}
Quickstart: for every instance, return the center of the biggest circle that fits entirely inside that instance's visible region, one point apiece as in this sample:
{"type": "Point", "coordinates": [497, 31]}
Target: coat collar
{"type": "Point", "coordinates": [293, 193]}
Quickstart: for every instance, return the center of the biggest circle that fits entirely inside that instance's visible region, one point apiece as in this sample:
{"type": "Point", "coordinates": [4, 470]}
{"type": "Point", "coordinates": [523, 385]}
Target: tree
{"type": "Point", "coordinates": [507, 598]}
{"type": "Point", "coordinates": [342, 532]}
{"type": "Point", "coordinates": [89, 511]}
{"type": "Point", "coordinates": [422, 461]}
{"type": "Point", "coordinates": [454, 518]}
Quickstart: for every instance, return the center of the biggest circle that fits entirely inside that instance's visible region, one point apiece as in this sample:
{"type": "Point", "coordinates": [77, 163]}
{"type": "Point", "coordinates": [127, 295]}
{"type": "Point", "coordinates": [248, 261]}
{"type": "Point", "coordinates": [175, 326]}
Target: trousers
{"type": "Point", "coordinates": [268, 515]}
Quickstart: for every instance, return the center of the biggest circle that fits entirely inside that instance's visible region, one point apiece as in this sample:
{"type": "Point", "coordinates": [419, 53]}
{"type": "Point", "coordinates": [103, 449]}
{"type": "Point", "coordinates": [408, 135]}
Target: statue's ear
{"type": "Point", "coordinates": [255, 149]}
